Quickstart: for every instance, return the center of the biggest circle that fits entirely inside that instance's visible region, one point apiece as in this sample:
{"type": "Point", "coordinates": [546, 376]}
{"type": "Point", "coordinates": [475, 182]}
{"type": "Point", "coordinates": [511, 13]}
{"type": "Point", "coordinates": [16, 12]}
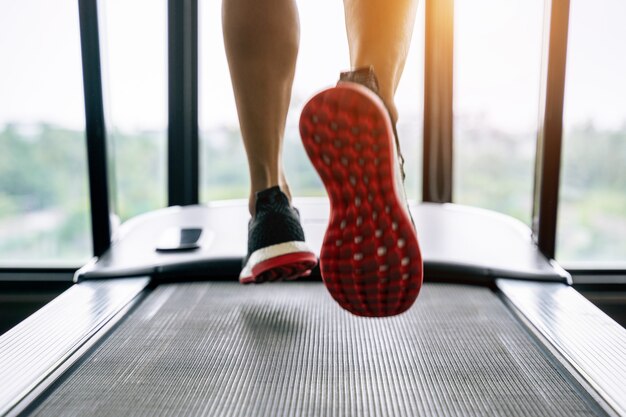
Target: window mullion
{"type": "Point", "coordinates": [183, 142]}
{"type": "Point", "coordinates": [438, 80]}
{"type": "Point", "coordinates": [548, 157]}
{"type": "Point", "coordinates": [95, 126]}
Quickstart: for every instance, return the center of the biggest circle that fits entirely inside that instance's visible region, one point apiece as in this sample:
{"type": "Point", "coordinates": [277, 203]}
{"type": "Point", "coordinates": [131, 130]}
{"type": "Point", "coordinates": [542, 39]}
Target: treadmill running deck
{"type": "Point", "coordinates": [216, 349]}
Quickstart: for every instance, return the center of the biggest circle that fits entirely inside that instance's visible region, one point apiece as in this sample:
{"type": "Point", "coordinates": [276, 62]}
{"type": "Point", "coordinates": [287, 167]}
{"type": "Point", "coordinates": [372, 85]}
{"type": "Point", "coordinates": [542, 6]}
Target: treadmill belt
{"type": "Point", "coordinates": [222, 349]}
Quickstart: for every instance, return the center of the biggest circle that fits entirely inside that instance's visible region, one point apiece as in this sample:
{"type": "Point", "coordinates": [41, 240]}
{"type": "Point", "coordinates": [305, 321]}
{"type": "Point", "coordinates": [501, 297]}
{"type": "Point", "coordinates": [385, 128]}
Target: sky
{"type": "Point", "coordinates": [497, 62]}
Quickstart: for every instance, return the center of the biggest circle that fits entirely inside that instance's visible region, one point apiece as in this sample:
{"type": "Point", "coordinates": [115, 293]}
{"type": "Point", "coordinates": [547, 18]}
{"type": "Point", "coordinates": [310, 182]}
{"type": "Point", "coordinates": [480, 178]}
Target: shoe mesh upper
{"type": "Point", "coordinates": [274, 222]}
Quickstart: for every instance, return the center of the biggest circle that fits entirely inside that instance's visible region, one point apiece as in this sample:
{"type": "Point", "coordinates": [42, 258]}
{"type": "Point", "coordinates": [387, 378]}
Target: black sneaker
{"type": "Point", "coordinates": [276, 248]}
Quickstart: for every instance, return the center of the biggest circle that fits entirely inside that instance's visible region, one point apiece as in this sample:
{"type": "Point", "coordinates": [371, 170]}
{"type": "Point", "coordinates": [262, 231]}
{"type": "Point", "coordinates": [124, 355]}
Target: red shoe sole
{"type": "Point", "coordinates": [370, 259]}
{"type": "Point", "coordinates": [285, 267]}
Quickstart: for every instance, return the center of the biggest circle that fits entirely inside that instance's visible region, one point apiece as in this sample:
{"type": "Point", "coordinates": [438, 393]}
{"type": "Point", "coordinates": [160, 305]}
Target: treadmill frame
{"type": "Point", "coordinates": [602, 376]}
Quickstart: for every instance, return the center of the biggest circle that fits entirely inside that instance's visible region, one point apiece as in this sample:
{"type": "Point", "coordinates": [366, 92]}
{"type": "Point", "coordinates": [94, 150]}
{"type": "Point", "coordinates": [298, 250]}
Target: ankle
{"type": "Point", "coordinates": [284, 187]}
{"type": "Point", "coordinates": [387, 95]}
{"type": "Point", "coordinates": [366, 76]}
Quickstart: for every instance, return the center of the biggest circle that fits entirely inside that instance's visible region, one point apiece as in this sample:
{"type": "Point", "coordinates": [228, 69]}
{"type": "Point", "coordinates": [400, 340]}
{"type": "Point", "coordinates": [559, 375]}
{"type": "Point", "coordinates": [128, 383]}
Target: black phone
{"type": "Point", "coordinates": [177, 239]}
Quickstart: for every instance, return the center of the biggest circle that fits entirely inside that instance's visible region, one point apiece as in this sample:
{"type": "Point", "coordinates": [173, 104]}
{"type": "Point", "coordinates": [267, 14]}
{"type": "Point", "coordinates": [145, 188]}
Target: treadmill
{"type": "Point", "coordinates": [497, 330]}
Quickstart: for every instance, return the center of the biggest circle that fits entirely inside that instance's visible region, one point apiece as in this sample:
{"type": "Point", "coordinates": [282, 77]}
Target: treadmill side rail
{"type": "Point", "coordinates": [589, 340]}
{"type": "Point", "coordinates": [39, 345]}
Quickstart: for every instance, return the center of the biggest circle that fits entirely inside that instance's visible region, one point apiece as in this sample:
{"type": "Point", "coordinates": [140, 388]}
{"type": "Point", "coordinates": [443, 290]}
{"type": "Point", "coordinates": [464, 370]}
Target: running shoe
{"type": "Point", "coordinates": [276, 248]}
{"type": "Point", "coordinates": [370, 260]}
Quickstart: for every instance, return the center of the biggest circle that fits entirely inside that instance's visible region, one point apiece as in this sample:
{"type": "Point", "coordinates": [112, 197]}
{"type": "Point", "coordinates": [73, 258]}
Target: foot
{"type": "Point", "coordinates": [276, 248]}
{"type": "Point", "coordinates": [370, 259]}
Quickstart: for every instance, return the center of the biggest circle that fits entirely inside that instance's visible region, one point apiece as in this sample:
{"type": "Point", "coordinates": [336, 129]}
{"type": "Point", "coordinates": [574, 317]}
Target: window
{"type": "Point", "coordinates": [497, 55]}
{"type": "Point", "coordinates": [44, 209]}
{"type": "Point", "coordinates": [134, 64]}
{"type": "Point", "coordinates": [323, 54]}
{"type": "Point", "coordinates": [592, 206]}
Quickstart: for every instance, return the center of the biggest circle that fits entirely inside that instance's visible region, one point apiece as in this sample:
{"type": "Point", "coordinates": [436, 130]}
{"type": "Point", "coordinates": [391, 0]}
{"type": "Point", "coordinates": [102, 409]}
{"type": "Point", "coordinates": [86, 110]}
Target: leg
{"type": "Point", "coordinates": [379, 34]}
{"type": "Point", "coordinates": [261, 40]}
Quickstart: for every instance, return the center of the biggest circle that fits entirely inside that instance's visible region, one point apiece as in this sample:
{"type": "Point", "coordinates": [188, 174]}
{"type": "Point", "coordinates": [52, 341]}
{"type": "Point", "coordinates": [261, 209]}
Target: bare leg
{"type": "Point", "coordinates": [261, 40]}
{"type": "Point", "coordinates": [379, 34]}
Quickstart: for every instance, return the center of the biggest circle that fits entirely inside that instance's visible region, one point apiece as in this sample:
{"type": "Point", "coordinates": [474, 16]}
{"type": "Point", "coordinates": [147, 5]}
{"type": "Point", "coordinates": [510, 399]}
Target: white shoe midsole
{"type": "Point", "coordinates": [269, 252]}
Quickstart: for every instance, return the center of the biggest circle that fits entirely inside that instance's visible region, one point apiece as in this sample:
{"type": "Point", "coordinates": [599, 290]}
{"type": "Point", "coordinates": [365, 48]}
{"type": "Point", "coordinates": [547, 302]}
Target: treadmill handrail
{"type": "Point", "coordinates": [589, 340]}
{"type": "Point", "coordinates": [37, 346]}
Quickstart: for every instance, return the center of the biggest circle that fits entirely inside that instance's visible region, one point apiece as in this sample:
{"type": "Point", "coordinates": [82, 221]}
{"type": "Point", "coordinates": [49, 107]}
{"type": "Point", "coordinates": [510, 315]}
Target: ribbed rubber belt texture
{"type": "Point", "coordinates": [222, 349]}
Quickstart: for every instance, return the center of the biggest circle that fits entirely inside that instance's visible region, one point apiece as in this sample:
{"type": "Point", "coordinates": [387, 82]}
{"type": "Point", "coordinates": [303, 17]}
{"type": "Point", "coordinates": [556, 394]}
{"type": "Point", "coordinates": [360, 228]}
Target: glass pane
{"type": "Point", "coordinates": [134, 55]}
{"type": "Point", "coordinates": [44, 207]}
{"type": "Point", "coordinates": [323, 54]}
{"type": "Point", "coordinates": [592, 206]}
{"type": "Point", "coordinates": [497, 56]}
